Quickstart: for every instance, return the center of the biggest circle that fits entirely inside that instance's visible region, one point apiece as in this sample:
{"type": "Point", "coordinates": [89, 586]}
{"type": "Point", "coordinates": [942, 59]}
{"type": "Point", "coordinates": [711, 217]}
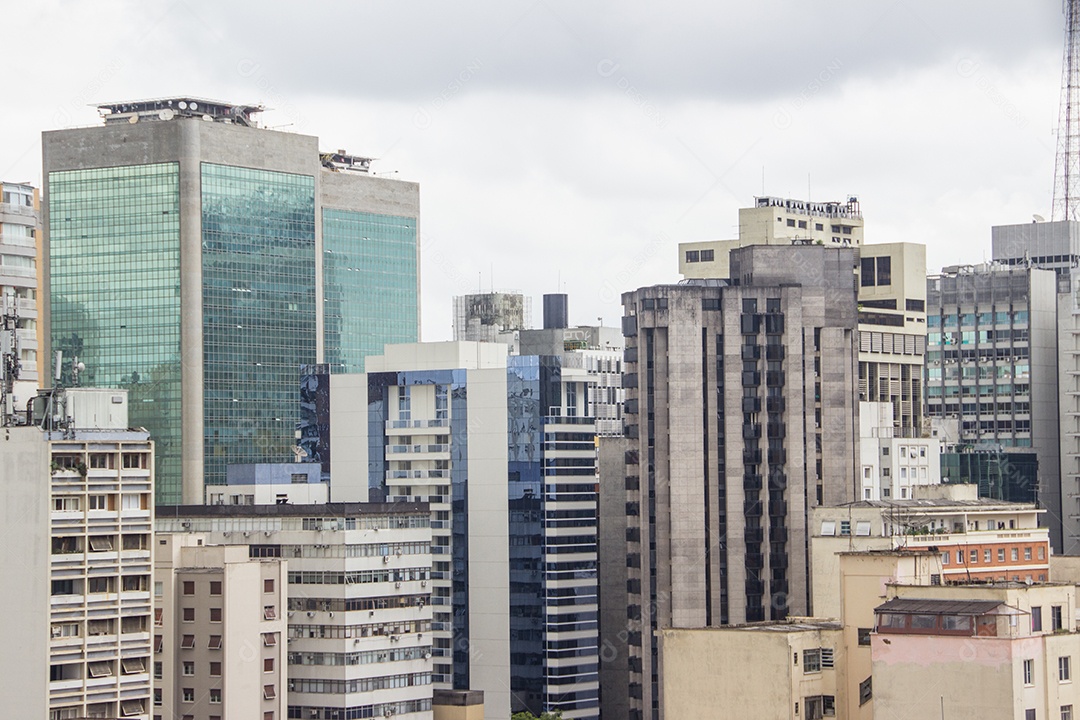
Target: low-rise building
{"type": "Point", "coordinates": [220, 631]}
{"type": "Point", "coordinates": [995, 652]}
{"type": "Point", "coordinates": [979, 539]}
{"type": "Point", "coordinates": [771, 670]}
{"type": "Point", "coordinates": [270, 484]}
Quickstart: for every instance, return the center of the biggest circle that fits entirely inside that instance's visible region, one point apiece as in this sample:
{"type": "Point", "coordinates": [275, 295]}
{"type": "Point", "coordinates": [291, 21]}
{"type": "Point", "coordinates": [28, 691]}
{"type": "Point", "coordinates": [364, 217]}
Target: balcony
{"type": "Point", "coordinates": [778, 509]}
{"type": "Point", "coordinates": [753, 535]}
{"type": "Point", "coordinates": [778, 535]}
{"type": "Point", "coordinates": [751, 483]}
{"type": "Point", "coordinates": [752, 508]}
{"type": "Point", "coordinates": [754, 561]}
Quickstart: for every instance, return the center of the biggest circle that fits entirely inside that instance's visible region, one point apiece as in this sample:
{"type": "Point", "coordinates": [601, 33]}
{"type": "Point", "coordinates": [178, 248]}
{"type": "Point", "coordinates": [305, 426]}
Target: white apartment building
{"type": "Point", "coordinates": [219, 631]}
{"type": "Point", "coordinates": [359, 609]}
{"type": "Point", "coordinates": [20, 229]}
{"type": "Point", "coordinates": [892, 466]}
{"type": "Point", "coordinates": [78, 513]}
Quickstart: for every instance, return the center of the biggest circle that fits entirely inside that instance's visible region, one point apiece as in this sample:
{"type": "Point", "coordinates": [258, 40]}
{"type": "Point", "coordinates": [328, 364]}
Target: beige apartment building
{"type": "Point", "coordinates": [768, 671]}
{"type": "Point", "coordinates": [220, 632]}
{"type": "Point", "coordinates": [1006, 651]}
{"type": "Point", "coordinates": [78, 516]}
{"type": "Point", "coordinates": [890, 283]}
{"type": "Point", "coordinates": [978, 539]}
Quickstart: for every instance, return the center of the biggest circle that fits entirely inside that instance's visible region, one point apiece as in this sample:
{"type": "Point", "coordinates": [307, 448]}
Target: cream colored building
{"type": "Point", "coordinates": [978, 539]}
{"type": "Point", "coordinates": [1002, 652]}
{"type": "Point", "coordinates": [890, 283]}
{"type": "Point", "coordinates": [359, 607]}
{"type": "Point", "coordinates": [458, 705]}
{"type": "Point", "coordinates": [768, 671]}
{"type": "Point", "coordinates": [78, 515]}
{"type": "Point", "coordinates": [220, 631]}
{"type": "Point", "coordinates": [20, 251]}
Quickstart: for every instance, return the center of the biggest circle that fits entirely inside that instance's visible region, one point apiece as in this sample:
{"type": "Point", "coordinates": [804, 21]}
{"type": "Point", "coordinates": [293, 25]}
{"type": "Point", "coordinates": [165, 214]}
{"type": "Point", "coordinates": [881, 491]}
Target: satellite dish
{"type": "Point", "coordinates": [183, 105]}
{"type": "Point", "coordinates": [207, 118]}
{"type": "Point", "coordinates": [133, 119]}
{"type": "Point", "coordinates": [167, 114]}
{"type": "Point", "coordinates": [1039, 218]}
{"type": "Point", "coordinates": [193, 105]}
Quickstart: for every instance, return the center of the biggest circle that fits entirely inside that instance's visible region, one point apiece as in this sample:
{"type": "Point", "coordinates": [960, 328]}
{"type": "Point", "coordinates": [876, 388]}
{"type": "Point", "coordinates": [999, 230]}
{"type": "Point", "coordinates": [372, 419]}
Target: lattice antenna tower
{"type": "Point", "coordinates": [1067, 168]}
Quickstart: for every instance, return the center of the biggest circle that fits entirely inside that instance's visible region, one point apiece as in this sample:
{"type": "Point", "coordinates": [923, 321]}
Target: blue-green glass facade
{"type": "Point", "coordinates": [114, 255]}
{"type": "Point", "coordinates": [369, 285]}
{"type": "Point", "coordinates": [258, 274]}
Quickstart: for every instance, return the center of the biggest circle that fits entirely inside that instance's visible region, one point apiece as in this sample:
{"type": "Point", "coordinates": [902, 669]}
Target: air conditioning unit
{"type": "Point", "coordinates": [427, 656]}
{"type": "Point", "coordinates": [385, 559]}
{"type": "Point", "coordinates": [397, 584]}
{"type": "Point", "coordinates": [331, 614]}
{"type": "Point", "coordinates": [268, 533]}
{"type": "Point", "coordinates": [423, 583]}
{"type": "Point", "coordinates": [247, 534]}
{"type": "Point", "coordinates": [310, 613]}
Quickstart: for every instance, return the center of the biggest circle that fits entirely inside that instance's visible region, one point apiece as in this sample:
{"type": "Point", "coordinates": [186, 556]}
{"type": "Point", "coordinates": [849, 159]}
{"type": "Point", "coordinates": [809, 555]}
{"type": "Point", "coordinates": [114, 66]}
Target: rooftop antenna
{"type": "Point", "coordinates": [10, 365]}
{"type": "Point", "coordinates": [1067, 167]}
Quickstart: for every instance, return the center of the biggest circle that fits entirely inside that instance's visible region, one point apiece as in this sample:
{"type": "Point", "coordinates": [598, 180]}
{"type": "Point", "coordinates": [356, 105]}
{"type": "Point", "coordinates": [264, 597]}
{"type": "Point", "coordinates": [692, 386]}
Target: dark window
{"type": "Point", "coordinates": [1055, 618]}
{"type": "Point", "coordinates": [708, 255]}
{"type": "Point", "coordinates": [1036, 619]}
{"type": "Point", "coordinates": [867, 277]}
{"type": "Point", "coordinates": [864, 636]}
{"type": "Point", "coordinates": [692, 256]}
{"type": "Point", "coordinates": [884, 271]}
{"type": "Point", "coordinates": [916, 305]}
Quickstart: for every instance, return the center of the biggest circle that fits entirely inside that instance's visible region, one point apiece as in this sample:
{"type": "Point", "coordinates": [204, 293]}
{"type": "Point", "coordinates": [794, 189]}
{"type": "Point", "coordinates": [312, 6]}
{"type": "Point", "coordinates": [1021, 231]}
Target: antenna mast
{"type": "Point", "coordinates": [1067, 169]}
{"type": "Point", "coordinates": [9, 357]}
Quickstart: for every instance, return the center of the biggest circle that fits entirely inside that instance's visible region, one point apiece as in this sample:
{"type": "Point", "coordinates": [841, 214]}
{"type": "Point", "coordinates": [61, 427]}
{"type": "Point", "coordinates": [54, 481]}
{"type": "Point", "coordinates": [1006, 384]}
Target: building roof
{"type": "Point", "coordinates": [290, 510]}
{"type": "Point", "coordinates": [776, 626]}
{"type": "Point", "coordinates": [913, 606]}
{"type": "Point", "coordinates": [941, 504]}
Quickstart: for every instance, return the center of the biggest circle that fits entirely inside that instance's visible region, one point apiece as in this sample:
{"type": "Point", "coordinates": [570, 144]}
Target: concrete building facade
{"type": "Point", "coordinates": [278, 255]}
{"type": "Point", "coordinates": [78, 504]}
{"type": "Point", "coordinates": [893, 466]}
{"type": "Point", "coordinates": [491, 316]}
{"type": "Point", "coordinates": [502, 448]}
{"type": "Point", "coordinates": [978, 539]}
{"type": "Point", "coordinates": [992, 364]}
{"type": "Point", "coordinates": [20, 262]}
{"type": "Point", "coordinates": [359, 603]}
{"type": "Point", "coordinates": [742, 414]}
{"type": "Point", "coordinates": [1056, 246]}
{"type": "Point", "coordinates": [220, 631]}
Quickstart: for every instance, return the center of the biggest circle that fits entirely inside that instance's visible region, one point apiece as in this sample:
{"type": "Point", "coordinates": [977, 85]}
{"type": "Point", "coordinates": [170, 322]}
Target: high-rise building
{"type": "Point", "coordinates": [220, 631]}
{"type": "Point", "coordinates": [78, 499]}
{"type": "Point", "coordinates": [502, 448]}
{"type": "Point", "coordinates": [741, 415]}
{"type": "Point", "coordinates": [892, 466]}
{"type": "Point", "coordinates": [20, 228]}
{"type": "Point", "coordinates": [490, 317]}
{"type": "Point", "coordinates": [890, 287]}
{"type": "Point", "coordinates": [1056, 246]}
{"type": "Point", "coordinates": [198, 260]}
{"type": "Point", "coordinates": [358, 610]}
{"type": "Point", "coordinates": [992, 363]}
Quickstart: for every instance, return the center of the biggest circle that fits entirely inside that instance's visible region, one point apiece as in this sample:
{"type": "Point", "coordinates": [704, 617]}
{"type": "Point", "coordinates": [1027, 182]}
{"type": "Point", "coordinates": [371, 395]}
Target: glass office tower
{"type": "Point", "coordinates": [189, 263]}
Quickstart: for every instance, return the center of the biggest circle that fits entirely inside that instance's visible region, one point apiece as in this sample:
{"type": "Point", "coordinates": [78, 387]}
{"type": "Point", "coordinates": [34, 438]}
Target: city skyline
{"type": "Point", "coordinates": [532, 107]}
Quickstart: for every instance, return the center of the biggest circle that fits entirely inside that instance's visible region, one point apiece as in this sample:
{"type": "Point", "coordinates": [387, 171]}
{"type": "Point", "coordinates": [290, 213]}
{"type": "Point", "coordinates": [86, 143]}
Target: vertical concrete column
{"type": "Point", "coordinates": [191, 315]}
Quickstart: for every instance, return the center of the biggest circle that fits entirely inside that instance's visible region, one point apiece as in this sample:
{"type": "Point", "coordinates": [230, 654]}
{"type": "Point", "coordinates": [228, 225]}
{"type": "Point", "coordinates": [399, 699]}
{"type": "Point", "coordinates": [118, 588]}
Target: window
{"type": "Point", "coordinates": [1042, 552]}
{"type": "Point", "coordinates": [692, 256]}
{"type": "Point", "coordinates": [866, 690]}
{"type": "Point", "coordinates": [811, 660]}
{"type": "Point", "coordinates": [215, 696]}
{"type": "Point", "coordinates": [845, 527]}
{"type": "Point", "coordinates": [268, 585]}
{"type": "Point", "coordinates": [100, 669]}
{"type": "Point", "coordinates": [215, 587]}
{"type": "Point", "coordinates": [187, 642]}
{"type": "Point", "coordinates": [828, 528]}
{"type": "Point", "coordinates": [1027, 553]}
{"type": "Point", "coordinates": [1029, 672]}
{"type": "Point", "coordinates": [269, 692]}
{"type": "Point", "coordinates": [1001, 554]}
{"type": "Point", "coordinates": [945, 558]}
{"type": "Point", "coordinates": [66, 504]}
{"type": "Point", "coordinates": [1064, 669]}
{"type": "Point", "coordinates": [269, 639]}
{"type": "Point", "coordinates": [189, 587]}
{"type": "Point", "coordinates": [959, 557]}
{"type": "Point", "coordinates": [988, 555]}
{"type": "Point", "coordinates": [708, 255]}
{"type": "Point", "coordinates": [1055, 618]}
{"type": "Point", "coordinates": [62, 630]}
{"type": "Point", "coordinates": [268, 664]}
{"type": "Point", "coordinates": [189, 614]}
{"type": "Point", "coordinates": [862, 528]}
{"type": "Point", "coordinates": [268, 715]}
{"type": "Point", "coordinates": [974, 555]}
{"type": "Point", "coordinates": [215, 642]}
{"type": "Point", "coordinates": [215, 615]}
{"type": "Point", "coordinates": [188, 695]}
{"type": "Point", "coordinates": [98, 584]}
{"type": "Point", "coordinates": [159, 670]}
{"type": "Point", "coordinates": [188, 668]}
{"type": "Point", "coordinates": [101, 543]}
{"type": "Point", "coordinates": [132, 501]}
{"type": "Point", "coordinates": [215, 669]}
{"type": "Point", "coordinates": [131, 707]}
{"type": "Point", "coordinates": [269, 613]}
{"type": "Point", "coordinates": [1014, 554]}
{"type": "Point", "coordinates": [159, 643]}
{"type": "Point", "coordinates": [1036, 618]}
{"type": "Point", "coordinates": [1066, 712]}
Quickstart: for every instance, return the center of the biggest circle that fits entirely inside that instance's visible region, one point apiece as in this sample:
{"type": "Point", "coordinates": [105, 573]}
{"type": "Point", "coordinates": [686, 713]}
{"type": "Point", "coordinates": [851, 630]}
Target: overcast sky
{"type": "Point", "coordinates": [558, 141]}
